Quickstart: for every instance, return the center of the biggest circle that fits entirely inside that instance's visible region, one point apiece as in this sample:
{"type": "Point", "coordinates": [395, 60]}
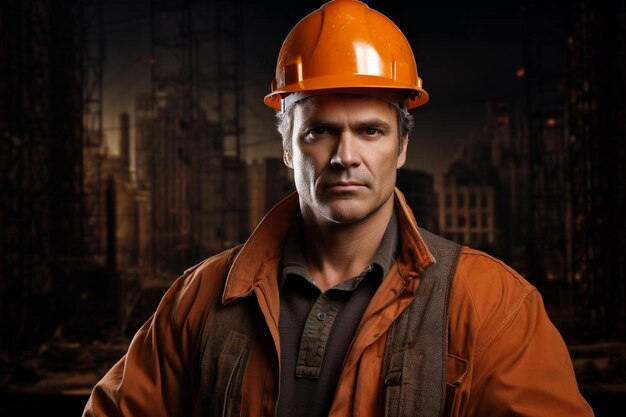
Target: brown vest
{"type": "Point", "coordinates": [414, 365]}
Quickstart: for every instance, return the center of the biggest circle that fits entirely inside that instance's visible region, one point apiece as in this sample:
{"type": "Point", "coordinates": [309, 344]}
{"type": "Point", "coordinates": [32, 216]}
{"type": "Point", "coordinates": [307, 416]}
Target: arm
{"type": "Point", "coordinates": [526, 369]}
{"type": "Point", "coordinates": [515, 362]}
{"type": "Point", "coordinates": [152, 377]}
{"type": "Point", "coordinates": [157, 376]}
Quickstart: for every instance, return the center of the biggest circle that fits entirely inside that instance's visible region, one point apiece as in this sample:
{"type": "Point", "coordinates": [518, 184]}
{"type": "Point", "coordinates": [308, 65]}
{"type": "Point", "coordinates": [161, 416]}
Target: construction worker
{"type": "Point", "coordinates": [339, 304]}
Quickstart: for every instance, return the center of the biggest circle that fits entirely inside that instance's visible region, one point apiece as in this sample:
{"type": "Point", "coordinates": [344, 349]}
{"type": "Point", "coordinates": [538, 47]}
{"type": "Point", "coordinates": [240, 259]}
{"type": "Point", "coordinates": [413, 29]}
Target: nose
{"type": "Point", "coordinates": [347, 151]}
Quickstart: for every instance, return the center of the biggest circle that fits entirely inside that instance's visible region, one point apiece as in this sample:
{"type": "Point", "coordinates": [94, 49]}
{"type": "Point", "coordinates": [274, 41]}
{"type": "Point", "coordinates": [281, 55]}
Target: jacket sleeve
{"type": "Point", "coordinates": [521, 364]}
{"type": "Point", "coordinates": [156, 375]}
{"type": "Point", "coordinates": [151, 378]}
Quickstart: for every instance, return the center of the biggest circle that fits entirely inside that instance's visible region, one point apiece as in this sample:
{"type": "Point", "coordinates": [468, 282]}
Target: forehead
{"type": "Point", "coordinates": [338, 106]}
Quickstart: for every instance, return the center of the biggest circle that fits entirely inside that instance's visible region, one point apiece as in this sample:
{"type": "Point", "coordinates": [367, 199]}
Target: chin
{"type": "Point", "coordinates": [344, 219]}
{"type": "Point", "coordinates": [347, 213]}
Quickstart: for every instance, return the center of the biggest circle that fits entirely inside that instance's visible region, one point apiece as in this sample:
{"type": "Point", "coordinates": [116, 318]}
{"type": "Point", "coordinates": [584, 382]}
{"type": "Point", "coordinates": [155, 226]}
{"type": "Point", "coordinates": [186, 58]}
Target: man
{"type": "Point", "coordinates": [338, 304]}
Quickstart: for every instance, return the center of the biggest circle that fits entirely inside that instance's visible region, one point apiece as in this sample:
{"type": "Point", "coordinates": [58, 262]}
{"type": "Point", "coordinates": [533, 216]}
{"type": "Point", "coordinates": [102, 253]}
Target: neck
{"type": "Point", "coordinates": [335, 252]}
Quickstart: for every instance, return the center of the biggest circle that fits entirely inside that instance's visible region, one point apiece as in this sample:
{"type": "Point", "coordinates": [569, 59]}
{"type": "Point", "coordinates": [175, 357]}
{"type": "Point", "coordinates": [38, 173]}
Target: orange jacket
{"type": "Point", "coordinates": [505, 357]}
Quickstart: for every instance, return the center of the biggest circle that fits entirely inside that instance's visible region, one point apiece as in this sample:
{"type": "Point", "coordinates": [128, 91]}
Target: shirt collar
{"type": "Point", "coordinates": [256, 263]}
{"type": "Point", "coordinates": [294, 262]}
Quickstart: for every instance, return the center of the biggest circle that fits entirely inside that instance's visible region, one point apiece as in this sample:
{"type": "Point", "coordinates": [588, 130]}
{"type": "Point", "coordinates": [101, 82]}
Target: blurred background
{"type": "Point", "coordinates": [134, 143]}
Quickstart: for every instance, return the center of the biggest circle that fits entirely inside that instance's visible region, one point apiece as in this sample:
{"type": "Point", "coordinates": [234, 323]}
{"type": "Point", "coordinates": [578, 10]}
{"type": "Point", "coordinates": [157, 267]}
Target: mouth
{"type": "Point", "coordinates": [344, 186]}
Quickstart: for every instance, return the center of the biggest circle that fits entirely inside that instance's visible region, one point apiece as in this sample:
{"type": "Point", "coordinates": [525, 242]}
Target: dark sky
{"type": "Point", "coordinates": [467, 55]}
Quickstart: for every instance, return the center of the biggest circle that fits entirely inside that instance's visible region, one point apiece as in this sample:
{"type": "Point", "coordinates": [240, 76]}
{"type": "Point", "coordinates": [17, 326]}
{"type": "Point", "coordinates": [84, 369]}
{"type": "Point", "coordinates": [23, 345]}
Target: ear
{"type": "Point", "coordinates": [402, 154]}
{"type": "Point", "coordinates": [287, 158]}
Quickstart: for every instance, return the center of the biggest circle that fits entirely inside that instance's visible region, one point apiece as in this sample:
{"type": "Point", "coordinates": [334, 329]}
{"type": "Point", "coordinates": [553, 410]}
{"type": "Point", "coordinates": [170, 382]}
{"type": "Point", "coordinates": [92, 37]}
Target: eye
{"type": "Point", "coordinates": [316, 133]}
{"type": "Point", "coordinates": [372, 132]}
{"type": "Point", "coordinates": [320, 130]}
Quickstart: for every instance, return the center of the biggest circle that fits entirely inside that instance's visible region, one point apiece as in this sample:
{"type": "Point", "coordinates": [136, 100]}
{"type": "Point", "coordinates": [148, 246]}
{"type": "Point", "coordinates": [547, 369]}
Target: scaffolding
{"type": "Point", "coordinates": [40, 161]}
{"type": "Point", "coordinates": [195, 168]}
{"type": "Point", "coordinates": [544, 158]}
{"type": "Point", "coordinates": [92, 53]}
{"type": "Point", "coordinates": [597, 149]}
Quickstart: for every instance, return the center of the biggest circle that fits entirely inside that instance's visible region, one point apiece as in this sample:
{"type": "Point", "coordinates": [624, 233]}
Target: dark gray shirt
{"type": "Point", "coordinates": [316, 328]}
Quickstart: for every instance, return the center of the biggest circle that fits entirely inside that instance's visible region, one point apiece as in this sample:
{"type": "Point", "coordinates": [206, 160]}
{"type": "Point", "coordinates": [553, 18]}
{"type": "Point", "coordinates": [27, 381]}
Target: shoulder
{"type": "Point", "coordinates": [487, 295]}
{"type": "Point", "coordinates": [485, 275]}
{"type": "Point", "coordinates": [210, 267]}
{"type": "Point", "coordinates": [172, 330]}
{"type": "Point", "coordinates": [197, 288]}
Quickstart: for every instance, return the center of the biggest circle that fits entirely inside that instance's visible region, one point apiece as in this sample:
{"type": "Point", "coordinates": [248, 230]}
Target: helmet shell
{"type": "Point", "coordinates": [346, 44]}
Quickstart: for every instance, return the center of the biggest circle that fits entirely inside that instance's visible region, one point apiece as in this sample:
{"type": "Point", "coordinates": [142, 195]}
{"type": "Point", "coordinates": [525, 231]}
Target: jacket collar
{"type": "Point", "coordinates": [257, 263]}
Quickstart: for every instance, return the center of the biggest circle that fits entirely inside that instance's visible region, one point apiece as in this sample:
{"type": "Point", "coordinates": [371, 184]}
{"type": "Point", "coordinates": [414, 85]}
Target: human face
{"type": "Point", "coordinates": [344, 153]}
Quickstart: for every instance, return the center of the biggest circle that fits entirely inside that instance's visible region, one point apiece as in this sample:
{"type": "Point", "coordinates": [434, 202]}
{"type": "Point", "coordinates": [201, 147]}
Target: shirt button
{"type": "Point", "coordinates": [321, 316]}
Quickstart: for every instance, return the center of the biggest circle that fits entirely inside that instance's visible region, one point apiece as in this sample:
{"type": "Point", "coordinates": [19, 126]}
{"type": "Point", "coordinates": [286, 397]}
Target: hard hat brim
{"type": "Point", "coordinates": [416, 96]}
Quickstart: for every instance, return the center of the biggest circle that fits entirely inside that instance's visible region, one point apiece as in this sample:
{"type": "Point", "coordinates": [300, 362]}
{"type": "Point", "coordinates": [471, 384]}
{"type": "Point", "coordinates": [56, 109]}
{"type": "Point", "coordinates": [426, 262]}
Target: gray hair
{"type": "Point", "coordinates": [284, 124]}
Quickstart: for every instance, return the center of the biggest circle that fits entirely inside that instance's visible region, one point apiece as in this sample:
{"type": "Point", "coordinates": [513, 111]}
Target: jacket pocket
{"type": "Point", "coordinates": [455, 374]}
{"type": "Point", "coordinates": [230, 364]}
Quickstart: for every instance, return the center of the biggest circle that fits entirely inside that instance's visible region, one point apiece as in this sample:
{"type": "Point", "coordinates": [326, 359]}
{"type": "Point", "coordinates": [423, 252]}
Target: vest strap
{"type": "Point", "coordinates": [414, 366]}
{"type": "Point", "coordinates": [227, 339]}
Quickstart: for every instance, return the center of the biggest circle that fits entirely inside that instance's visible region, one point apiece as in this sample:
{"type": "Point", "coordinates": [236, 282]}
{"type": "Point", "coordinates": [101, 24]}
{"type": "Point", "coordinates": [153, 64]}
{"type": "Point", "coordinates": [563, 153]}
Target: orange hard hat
{"type": "Point", "coordinates": [342, 45]}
